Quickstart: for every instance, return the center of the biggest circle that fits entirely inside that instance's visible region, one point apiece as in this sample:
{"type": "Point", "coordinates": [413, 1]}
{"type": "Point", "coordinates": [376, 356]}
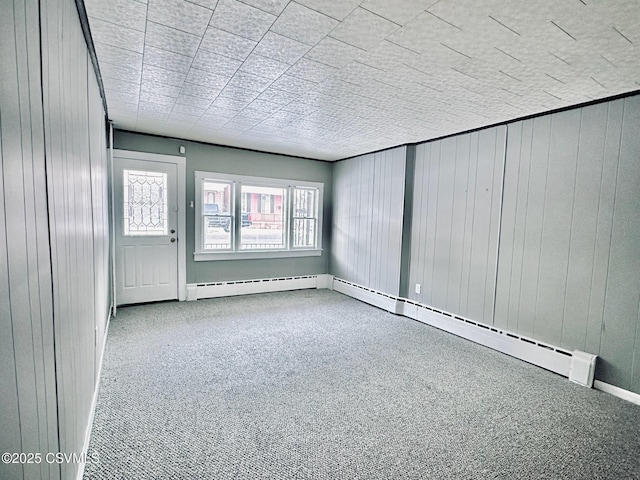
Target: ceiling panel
{"type": "Point", "coordinates": [327, 79]}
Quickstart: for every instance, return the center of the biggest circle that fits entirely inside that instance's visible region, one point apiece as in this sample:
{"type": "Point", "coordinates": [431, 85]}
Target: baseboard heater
{"type": "Point", "coordinates": [196, 291]}
{"type": "Point", "coordinates": [577, 366]}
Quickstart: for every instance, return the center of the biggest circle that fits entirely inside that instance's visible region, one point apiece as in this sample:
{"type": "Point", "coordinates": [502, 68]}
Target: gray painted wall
{"type": "Point", "coordinates": [456, 212]}
{"type": "Point", "coordinates": [368, 202]}
{"type": "Point", "coordinates": [213, 158]}
{"type": "Point", "coordinates": [569, 268]}
{"type": "Point", "coordinates": [53, 215]}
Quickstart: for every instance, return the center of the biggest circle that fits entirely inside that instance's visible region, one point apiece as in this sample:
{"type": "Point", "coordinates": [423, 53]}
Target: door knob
{"type": "Point", "coordinates": [173, 240]}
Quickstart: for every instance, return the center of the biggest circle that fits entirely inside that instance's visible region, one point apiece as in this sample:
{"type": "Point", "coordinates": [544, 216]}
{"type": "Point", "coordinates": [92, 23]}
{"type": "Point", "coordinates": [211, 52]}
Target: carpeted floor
{"type": "Point", "coordinates": [315, 385]}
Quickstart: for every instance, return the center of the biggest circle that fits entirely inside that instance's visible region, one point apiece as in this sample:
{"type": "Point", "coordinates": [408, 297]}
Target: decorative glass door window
{"type": "Point", "coordinates": [145, 203]}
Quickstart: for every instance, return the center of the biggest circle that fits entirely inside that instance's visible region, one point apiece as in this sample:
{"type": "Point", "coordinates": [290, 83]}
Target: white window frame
{"type": "Point", "coordinates": [201, 254]}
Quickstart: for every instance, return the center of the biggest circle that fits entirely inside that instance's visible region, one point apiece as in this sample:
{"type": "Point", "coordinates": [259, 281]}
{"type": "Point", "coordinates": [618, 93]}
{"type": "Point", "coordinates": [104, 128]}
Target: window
{"type": "Point", "coordinates": [254, 217]}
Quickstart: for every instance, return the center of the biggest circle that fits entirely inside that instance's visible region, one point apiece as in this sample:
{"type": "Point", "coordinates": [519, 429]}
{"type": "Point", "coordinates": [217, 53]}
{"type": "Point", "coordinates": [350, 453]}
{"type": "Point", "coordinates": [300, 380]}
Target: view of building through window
{"type": "Point", "coordinates": [243, 214]}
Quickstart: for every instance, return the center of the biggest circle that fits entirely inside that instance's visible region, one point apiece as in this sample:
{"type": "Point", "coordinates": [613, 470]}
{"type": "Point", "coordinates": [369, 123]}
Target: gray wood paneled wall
{"type": "Point", "coordinates": [27, 370]}
{"type": "Point", "coordinates": [54, 288]}
{"type": "Point", "coordinates": [368, 201]}
{"type": "Point", "coordinates": [532, 227]}
{"type": "Point", "coordinates": [456, 212]}
{"type": "Point", "coordinates": [569, 265]}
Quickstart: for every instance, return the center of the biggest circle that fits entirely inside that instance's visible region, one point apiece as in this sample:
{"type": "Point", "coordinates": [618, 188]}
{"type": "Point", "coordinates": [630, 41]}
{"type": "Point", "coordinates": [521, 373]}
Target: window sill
{"type": "Point", "coordinates": [244, 255]}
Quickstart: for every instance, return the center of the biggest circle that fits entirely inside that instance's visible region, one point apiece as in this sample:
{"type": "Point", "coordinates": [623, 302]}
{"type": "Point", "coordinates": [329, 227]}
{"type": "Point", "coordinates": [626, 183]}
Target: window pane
{"type": "Point", "coordinates": [216, 210]}
{"type": "Point", "coordinates": [216, 237]}
{"type": "Point", "coordinates": [145, 203]}
{"type": "Point", "coordinates": [304, 202]}
{"type": "Point", "coordinates": [263, 218]}
{"type": "Point", "coordinates": [304, 233]}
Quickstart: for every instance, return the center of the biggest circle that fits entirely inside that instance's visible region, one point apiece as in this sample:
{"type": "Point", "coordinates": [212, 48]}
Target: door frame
{"type": "Point", "coordinates": [180, 163]}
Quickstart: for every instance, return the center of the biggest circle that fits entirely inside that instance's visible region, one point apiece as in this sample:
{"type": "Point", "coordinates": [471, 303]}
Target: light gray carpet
{"type": "Point", "coordinates": [315, 385]}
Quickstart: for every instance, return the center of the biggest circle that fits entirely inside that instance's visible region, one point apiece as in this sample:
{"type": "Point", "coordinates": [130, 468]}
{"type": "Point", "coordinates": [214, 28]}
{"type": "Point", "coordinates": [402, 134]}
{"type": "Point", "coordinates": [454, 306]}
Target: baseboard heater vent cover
{"type": "Point", "coordinates": [578, 366]}
{"type": "Point", "coordinates": [246, 287]}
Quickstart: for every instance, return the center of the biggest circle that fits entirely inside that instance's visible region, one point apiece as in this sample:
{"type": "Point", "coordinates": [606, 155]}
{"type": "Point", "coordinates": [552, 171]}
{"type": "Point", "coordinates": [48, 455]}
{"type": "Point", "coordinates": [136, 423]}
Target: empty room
{"type": "Point", "coordinates": [317, 239]}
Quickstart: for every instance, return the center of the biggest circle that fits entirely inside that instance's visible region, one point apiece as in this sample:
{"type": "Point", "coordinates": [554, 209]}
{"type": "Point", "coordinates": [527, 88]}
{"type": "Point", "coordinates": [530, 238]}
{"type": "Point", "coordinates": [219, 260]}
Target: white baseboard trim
{"type": "Point", "coordinates": [617, 391]}
{"type": "Point", "coordinates": [577, 366]}
{"type": "Point", "coordinates": [196, 291]}
{"type": "Point", "coordinates": [94, 401]}
{"type": "Point", "coordinates": [367, 295]}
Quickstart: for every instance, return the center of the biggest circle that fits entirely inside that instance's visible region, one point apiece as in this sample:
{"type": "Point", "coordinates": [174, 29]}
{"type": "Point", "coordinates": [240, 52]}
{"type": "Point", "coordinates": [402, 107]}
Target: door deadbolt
{"type": "Point", "coordinates": [173, 231]}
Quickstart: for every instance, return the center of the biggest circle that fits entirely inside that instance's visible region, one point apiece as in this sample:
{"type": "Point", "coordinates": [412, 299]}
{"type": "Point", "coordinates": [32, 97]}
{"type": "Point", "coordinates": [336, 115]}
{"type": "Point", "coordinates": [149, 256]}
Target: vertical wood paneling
{"type": "Point", "coordinates": [444, 221]}
{"type": "Point", "coordinates": [469, 218]}
{"type": "Point", "coordinates": [556, 225]}
{"type": "Point", "coordinates": [461, 179]}
{"type": "Point", "coordinates": [610, 159]}
{"type": "Point", "coordinates": [27, 373]}
{"type": "Point", "coordinates": [588, 178]}
{"type": "Point", "coordinates": [569, 261]}
{"type": "Point", "coordinates": [533, 224]}
{"type": "Point", "coordinates": [618, 348]}
{"type": "Point", "coordinates": [508, 230]}
{"type": "Point", "coordinates": [76, 181]}
{"type": "Point", "coordinates": [432, 175]}
{"type": "Point", "coordinates": [454, 249]}
{"type": "Point", "coordinates": [368, 194]}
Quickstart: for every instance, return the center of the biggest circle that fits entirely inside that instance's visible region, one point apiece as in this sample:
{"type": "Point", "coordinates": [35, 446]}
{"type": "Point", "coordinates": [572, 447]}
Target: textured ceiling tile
{"type": "Point", "coordinates": [195, 102]}
{"type": "Point", "coordinates": [293, 85]}
{"type": "Point", "coordinates": [334, 52]}
{"type": "Point", "coordinates": [212, 62]}
{"type": "Point", "coordinates": [242, 19]}
{"type": "Point", "coordinates": [303, 24]}
{"type": "Point", "coordinates": [262, 106]}
{"type": "Point", "coordinates": [122, 72]}
{"type": "Point", "coordinates": [210, 4]}
{"type": "Point", "coordinates": [276, 96]}
{"type": "Point", "coordinates": [117, 56]}
{"type": "Point", "coordinates": [152, 107]}
{"type": "Point", "coordinates": [189, 109]}
{"type": "Point", "coordinates": [272, 6]}
{"type": "Point", "coordinates": [210, 79]}
{"type": "Point", "coordinates": [218, 116]}
{"type": "Point", "coordinates": [281, 48]}
{"type": "Point", "coordinates": [230, 103]}
{"type": "Point", "coordinates": [364, 29]}
{"type": "Point", "coordinates": [117, 36]}
{"type": "Point", "coordinates": [397, 12]}
{"type": "Point", "coordinates": [158, 88]}
{"type": "Point", "coordinates": [310, 70]}
{"type": "Point", "coordinates": [335, 9]}
{"type": "Point", "coordinates": [120, 85]}
{"type": "Point", "coordinates": [119, 12]}
{"type": "Point", "coordinates": [250, 81]}
{"type": "Point", "coordinates": [203, 93]}
{"type": "Point", "coordinates": [182, 120]}
{"type": "Point", "coordinates": [180, 14]}
{"type": "Point", "coordinates": [131, 96]}
{"type": "Point", "coordinates": [167, 60]}
{"type": "Point", "coordinates": [151, 73]}
{"type": "Point", "coordinates": [238, 93]}
{"type": "Point", "coordinates": [171, 39]}
{"type": "Point", "coordinates": [263, 66]}
{"type": "Point", "coordinates": [227, 44]}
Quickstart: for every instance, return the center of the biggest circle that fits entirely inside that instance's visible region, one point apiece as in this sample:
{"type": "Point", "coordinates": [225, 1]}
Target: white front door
{"type": "Point", "coordinates": [146, 230]}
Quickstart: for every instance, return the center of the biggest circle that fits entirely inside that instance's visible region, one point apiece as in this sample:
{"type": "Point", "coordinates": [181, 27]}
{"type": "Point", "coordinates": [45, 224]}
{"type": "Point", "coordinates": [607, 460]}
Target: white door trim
{"type": "Point", "coordinates": [181, 164]}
